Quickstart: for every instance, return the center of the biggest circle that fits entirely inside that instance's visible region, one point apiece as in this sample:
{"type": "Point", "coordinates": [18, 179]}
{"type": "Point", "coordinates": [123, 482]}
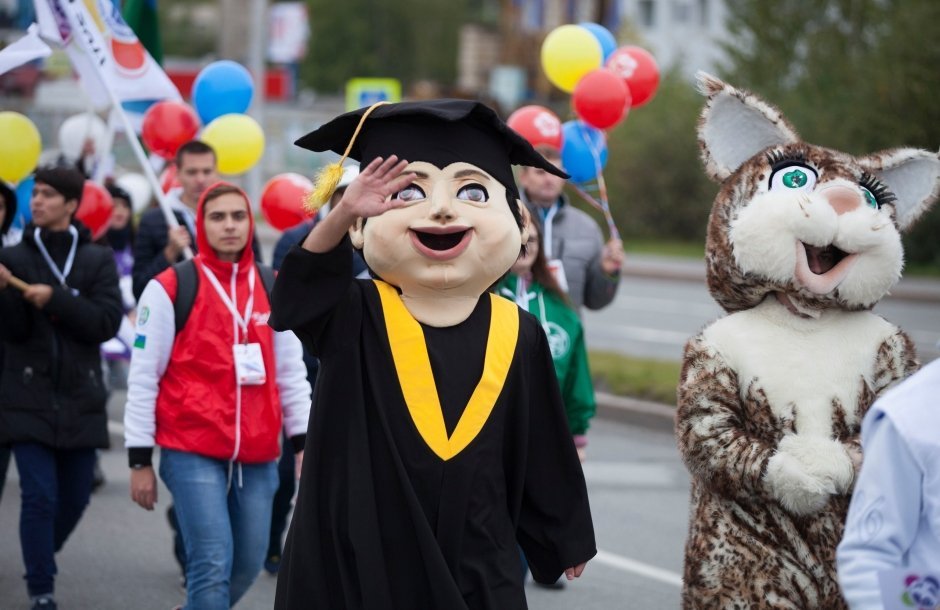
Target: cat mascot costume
{"type": "Point", "coordinates": [802, 242]}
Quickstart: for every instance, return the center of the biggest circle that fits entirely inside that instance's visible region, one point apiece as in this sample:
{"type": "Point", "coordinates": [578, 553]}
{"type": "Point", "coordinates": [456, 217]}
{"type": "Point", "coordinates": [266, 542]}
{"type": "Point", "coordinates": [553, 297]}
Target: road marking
{"type": "Point", "coordinates": [638, 567]}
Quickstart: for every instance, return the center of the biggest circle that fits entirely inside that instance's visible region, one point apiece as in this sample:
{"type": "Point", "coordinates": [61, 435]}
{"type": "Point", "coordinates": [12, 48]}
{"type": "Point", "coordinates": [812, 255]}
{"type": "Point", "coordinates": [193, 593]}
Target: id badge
{"type": "Point", "coordinates": [558, 271]}
{"type": "Point", "coordinates": [249, 366]}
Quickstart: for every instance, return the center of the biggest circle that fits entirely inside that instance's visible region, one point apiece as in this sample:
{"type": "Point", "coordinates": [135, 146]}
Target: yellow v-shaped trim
{"type": "Point", "coordinates": [410, 353]}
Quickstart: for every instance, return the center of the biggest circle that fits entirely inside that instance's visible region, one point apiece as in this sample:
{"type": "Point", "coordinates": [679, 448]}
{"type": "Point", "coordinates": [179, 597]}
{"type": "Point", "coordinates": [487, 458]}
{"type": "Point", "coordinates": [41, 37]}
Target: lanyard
{"type": "Point", "coordinates": [547, 230]}
{"type": "Point", "coordinates": [60, 274]}
{"type": "Point", "coordinates": [230, 301]}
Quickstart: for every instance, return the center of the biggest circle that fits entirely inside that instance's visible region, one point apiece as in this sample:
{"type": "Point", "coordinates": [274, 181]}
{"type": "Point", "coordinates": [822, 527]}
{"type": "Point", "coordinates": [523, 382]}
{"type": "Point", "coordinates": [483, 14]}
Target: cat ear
{"type": "Point", "coordinates": [736, 125]}
{"type": "Point", "coordinates": [912, 176]}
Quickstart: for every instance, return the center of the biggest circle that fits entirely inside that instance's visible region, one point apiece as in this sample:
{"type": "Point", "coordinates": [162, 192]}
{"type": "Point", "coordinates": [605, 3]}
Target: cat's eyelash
{"type": "Point", "coordinates": [778, 157]}
{"type": "Point", "coordinates": [877, 188]}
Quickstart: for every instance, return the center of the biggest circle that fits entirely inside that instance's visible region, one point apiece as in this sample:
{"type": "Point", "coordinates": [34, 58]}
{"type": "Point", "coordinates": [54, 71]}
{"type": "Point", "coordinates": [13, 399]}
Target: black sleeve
{"type": "Point", "coordinates": [555, 527]}
{"type": "Point", "coordinates": [148, 250]}
{"type": "Point", "coordinates": [16, 321]}
{"type": "Point", "coordinates": [94, 315]}
{"type": "Point", "coordinates": [309, 287]}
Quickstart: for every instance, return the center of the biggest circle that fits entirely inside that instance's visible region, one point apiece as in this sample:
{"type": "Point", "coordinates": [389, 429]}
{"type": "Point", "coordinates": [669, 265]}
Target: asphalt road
{"type": "Point", "coordinates": [119, 557]}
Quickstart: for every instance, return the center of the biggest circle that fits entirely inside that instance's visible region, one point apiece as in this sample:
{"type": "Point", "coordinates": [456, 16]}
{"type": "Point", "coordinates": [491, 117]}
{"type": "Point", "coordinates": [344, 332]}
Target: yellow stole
{"type": "Point", "coordinates": [413, 366]}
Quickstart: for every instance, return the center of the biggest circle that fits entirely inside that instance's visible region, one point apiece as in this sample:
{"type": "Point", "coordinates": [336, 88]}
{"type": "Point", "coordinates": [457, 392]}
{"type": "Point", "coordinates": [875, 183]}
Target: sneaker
{"type": "Point", "coordinates": [46, 602]}
{"type": "Point", "coordinates": [272, 564]}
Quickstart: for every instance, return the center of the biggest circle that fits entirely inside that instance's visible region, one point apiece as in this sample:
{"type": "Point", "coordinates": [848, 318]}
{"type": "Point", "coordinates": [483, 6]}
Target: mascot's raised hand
{"type": "Point", "coordinates": [802, 242]}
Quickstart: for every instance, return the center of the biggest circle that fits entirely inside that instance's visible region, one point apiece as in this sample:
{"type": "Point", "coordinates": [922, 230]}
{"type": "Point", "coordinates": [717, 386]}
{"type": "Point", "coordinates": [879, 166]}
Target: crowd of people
{"type": "Point", "coordinates": [249, 382]}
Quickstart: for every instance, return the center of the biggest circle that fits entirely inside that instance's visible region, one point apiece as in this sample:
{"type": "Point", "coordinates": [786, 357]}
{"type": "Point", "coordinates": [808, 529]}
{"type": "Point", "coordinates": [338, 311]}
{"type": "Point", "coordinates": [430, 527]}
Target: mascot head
{"type": "Point", "coordinates": [464, 225]}
{"type": "Point", "coordinates": [819, 227]}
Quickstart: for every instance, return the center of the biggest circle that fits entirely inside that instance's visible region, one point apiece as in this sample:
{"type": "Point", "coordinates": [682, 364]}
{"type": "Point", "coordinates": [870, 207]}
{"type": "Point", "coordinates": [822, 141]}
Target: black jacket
{"type": "Point", "coordinates": [51, 388]}
{"type": "Point", "coordinates": [150, 242]}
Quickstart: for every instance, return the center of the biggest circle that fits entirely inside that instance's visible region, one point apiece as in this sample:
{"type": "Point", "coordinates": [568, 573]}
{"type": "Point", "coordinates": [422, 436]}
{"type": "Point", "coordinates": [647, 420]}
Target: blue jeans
{"type": "Point", "coordinates": [224, 528]}
{"type": "Point", "coordinates": [55, 486]}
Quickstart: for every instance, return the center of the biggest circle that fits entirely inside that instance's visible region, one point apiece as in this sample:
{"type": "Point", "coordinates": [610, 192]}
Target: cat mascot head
{"type": "Point", "coordinates": [817, 226]}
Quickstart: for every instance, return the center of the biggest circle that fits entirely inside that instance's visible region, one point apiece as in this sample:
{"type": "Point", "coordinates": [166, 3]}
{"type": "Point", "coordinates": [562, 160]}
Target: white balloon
{"type": "Point", "coordinates": [79, 128]}
{"type": "Point", "coordinates": [138, 187]}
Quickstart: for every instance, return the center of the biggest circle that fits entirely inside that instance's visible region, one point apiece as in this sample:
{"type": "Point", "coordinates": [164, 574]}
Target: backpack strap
{"type": "Point", "coordinates": [187, 285]}
{"type": "Point", "coordinates": [267, 278]}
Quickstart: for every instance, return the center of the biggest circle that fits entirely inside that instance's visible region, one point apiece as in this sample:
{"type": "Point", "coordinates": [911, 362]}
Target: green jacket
{"type": "Point", "coordinates": [566, 340]}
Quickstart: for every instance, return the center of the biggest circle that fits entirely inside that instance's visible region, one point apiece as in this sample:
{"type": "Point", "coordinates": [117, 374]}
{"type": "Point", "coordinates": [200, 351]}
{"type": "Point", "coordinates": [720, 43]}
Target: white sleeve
{"type": "Point", "coordinates": [292, 384]}
{"type": "Point", "coordinates": [154, 335]}
{"type": "Point", "coordinates": [883, 517]}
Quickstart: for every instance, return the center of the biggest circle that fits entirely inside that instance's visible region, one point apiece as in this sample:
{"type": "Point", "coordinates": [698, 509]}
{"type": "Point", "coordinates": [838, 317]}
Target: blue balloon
{"type": "Point", "coordinates": [603, 36]}
{"type": "Point", "coordinates": [584, 152]}
{"type": "Point", "coordinates": [24, 192]}
{"type": "Point", "coordinates": [222, 87]}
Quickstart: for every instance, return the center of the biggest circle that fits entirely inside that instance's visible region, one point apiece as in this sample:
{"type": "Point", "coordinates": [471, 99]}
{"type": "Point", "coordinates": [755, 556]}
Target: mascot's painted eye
{"type": "Point", "coordinates": [473, 192]}
{"type": "Point", "coordinates": [410, 193]}
{"type": "Point", "coordinates": [870, 199]}
{"type": "Point", "coordinates": [792, 178]}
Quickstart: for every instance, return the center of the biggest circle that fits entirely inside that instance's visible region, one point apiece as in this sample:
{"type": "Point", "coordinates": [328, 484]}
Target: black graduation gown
{"type": "Point", "coordinates": [381, 522]}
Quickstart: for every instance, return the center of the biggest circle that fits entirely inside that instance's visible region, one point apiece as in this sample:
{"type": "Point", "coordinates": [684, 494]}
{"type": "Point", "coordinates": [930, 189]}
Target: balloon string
{"type": "Point", "coordinates": [603, 205]}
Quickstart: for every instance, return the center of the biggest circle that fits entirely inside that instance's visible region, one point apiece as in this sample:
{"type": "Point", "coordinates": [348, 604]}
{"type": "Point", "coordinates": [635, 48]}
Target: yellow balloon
{"type": "Point", "coordinates": [568, 53]}
{"type": "Point", "coordinates": [20, 146]}
{"type": "Point", "coordinates": [237, 140]}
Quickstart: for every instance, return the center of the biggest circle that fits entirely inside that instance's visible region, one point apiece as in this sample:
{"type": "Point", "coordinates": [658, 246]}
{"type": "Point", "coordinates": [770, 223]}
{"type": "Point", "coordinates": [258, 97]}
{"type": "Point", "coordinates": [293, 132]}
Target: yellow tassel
{"type": "Point", "coordinates": [328, 177]}
{"type": "Point", "coordinates": [323, 187]}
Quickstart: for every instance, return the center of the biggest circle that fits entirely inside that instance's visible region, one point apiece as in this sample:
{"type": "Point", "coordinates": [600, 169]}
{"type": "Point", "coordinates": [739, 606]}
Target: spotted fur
{"type": "Point", "coordinates": [772, 396]}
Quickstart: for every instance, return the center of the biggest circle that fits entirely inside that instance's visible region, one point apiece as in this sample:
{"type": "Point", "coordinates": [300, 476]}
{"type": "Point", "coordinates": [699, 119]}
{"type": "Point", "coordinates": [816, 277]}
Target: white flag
{"type": "Point", "coordinates": [24, 50]}
{"type": "Point", "coordinates": [104, 51]}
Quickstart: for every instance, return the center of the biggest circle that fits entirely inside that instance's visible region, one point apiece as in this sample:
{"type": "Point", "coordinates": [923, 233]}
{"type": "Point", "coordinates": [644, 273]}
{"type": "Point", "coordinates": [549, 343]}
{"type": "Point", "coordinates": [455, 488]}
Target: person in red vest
{"type": "Point", "coordinates": [214, 396]}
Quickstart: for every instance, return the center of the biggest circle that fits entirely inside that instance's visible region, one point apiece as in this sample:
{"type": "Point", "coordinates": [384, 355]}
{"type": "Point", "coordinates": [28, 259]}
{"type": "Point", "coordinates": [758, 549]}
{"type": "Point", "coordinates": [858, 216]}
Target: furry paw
{"type": "Point", "coordinates": [799, 492]}
{"type": "Point", "coordinates": [805, 471]}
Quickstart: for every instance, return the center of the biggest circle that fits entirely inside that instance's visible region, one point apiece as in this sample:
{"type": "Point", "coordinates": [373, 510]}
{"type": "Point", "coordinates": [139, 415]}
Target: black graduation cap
{"type": "Point", "coordinates": [439, 132]}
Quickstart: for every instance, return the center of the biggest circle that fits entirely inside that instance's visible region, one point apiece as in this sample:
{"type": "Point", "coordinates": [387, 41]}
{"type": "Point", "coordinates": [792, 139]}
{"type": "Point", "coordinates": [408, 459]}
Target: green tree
{"type": "Point", "coordinates": [856, 75]}
{"type": "Point", "coordinates": [409, 39]}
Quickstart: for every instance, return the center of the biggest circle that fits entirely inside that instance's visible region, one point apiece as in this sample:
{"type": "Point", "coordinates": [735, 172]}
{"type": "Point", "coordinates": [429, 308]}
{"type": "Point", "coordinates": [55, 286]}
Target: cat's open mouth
{"type": "Point", "coordinates": [822, 268]}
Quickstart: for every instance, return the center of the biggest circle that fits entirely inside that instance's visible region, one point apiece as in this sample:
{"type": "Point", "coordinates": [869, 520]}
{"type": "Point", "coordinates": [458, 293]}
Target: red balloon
{"type": "Point", "coordinates": [601, 98]}
{"type": "Point", "coordinates": [282, 200]}
{"type": "Point", "coordinates": [538, 125]}
{"type": "Point", "coordinates": [167, 126]}
{"type": "Point", "coordinates": [168, 178]}
{"type": "Point", "coordinates": [638, 68]}
{"type": "Point", "coordinates": [94, 211]}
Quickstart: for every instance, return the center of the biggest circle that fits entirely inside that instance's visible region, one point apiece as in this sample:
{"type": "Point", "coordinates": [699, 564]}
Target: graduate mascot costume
{"type": "Point", "coordinates": [438, 442]}
{"type": "Point", "coordinates": [802, 242]}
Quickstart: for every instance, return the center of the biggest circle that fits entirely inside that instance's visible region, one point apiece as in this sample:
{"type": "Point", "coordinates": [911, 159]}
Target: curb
{"type": "Point", "coordinates": [633, 411]}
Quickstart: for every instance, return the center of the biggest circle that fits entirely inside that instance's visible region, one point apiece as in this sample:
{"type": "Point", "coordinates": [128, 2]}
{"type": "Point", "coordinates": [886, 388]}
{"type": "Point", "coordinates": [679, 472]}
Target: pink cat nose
{"type": "Point", "coordinates": [842, 198]}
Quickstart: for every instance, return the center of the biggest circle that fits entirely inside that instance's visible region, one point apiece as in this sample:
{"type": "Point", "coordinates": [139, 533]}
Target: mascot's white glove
{"type": "Point", "coordinates": [806, 470]}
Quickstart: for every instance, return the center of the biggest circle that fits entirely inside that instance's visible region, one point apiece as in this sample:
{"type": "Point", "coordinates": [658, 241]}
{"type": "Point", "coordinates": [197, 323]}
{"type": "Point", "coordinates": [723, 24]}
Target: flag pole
{"type": "Point", "coordinates": [145, 164]}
